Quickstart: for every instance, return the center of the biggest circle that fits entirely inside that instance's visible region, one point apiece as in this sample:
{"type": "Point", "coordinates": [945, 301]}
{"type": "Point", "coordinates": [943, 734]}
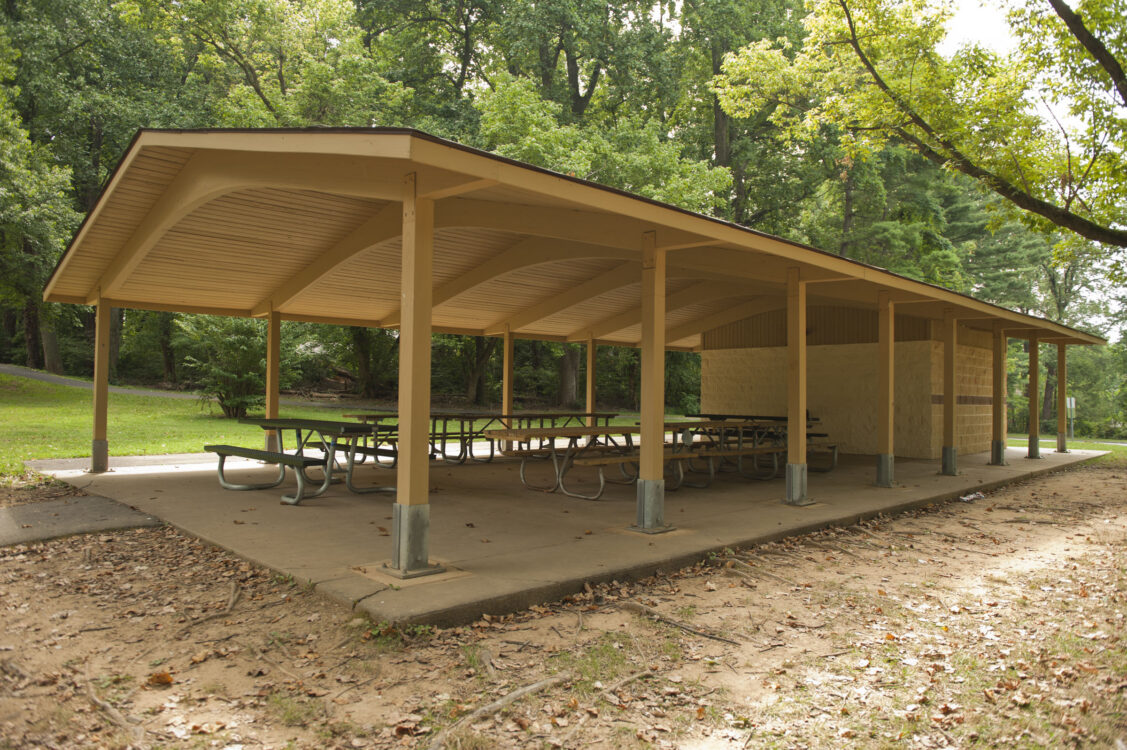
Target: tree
{"type": "Point", "coordinates": [872, 69]}
{"type": "Point", "coordinates": [35, 219]}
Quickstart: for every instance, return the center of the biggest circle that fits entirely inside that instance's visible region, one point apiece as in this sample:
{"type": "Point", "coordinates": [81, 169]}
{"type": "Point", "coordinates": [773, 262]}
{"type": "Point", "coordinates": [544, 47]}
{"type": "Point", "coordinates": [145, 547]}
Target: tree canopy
{"type": "Point", "coordinates": [1043, 127]}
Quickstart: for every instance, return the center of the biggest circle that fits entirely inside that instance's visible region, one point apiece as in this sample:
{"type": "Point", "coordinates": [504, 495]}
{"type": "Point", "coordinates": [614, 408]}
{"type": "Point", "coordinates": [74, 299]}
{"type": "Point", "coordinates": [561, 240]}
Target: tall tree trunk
{"type": "Point", "coordinates": [8, 328]}
{"type": "Point", "coordinates": [362, 353]}
{"type": "Point", "coordinates": [475, 374]}
{"type": "Point", "coordinates": [847, 214]}
{"type": "Point", "coordinates": [569, 376]}
{"type": "Point", "coordinates": [164, 339]}
{"type": "Point", "coordinates": [721, 135]}
{"type": "Point", "coordinates": [52, 360]}
{"type": "Point", "coordinates": [32, 342]}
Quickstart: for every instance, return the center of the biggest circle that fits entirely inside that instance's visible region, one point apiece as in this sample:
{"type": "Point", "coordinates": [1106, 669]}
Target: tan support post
{"type": "Point", "coordinates": [100, 447]}
{"type": "Point", "coordinates": [273, 372]}
{"type": "Point", "coordinates": [950, 465]}
{"type": "Point", "coordinates": [592, 349]}
{"type": "Point", "coordinates": [1062, 398]}
{"type": "Point", "coordinates": [651, 468]}
{"type": "Point", "coordinates": [1034, 398]}
{"type": "Point", "coordinates": [508, 372]}
{"type": "Point", "coordinates": [411, 512]}
{"type": "Point", "coordinates": [998, 400]}
{"type": "Point", "coordinates": [796, 389]}
{"type": "Point", "coordinates": [886, 378]}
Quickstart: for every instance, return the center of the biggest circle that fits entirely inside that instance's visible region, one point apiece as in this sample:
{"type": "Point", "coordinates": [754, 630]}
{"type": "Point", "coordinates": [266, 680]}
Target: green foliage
{"type": "Point", "coordinates": [632, 155]}
{"type": "Point", "coordinates": [872, 70]}
{"type": "Point", "coordinates": [225, 359]}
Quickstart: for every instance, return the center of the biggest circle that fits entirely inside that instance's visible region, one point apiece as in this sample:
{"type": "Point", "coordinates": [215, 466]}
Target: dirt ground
{"type": "Point", "coordinates": [994, 622]}
{"type": "Point", "coordinates": [34, 488]}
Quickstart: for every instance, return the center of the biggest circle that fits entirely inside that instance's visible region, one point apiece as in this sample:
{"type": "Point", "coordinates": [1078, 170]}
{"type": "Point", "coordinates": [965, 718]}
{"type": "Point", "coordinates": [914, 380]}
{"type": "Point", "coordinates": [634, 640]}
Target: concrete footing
{"type": "Point", "coordinates": [796, 485]}
{"type": "Point", "coordinates": [410, 535]}
{"type": "Point", "coordinates": [1034, 446]}
{"type": "Point", "coordinates": [997, 452]}
{"type": "Point", "coordinates": [950, 466]}
{"type": "Point", "coordinates": [273, 444]}
{"type": "Point", "coordinates": [651, 507]}
{"type": "Point", "coordinates": [1062, 442]}
{"type": "Point", "coordinates": [99, 456]}
{"type": "Point", "coordinates": [886, 470]}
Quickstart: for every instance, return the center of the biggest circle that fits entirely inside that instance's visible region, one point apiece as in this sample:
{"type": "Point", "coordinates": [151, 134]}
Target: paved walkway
{"type": "Point", "coordinates": [504, 547]}
{"type": "Point", "coordinates": [37, 522]}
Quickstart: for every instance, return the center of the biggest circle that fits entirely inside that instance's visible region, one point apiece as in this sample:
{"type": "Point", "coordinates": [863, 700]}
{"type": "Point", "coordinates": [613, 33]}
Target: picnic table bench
{"type": "Point", "coordinates": [323, 435]}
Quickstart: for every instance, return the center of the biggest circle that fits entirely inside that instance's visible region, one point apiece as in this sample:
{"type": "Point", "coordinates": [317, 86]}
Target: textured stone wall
{"type": "Point", "coordinates": [842, 392]}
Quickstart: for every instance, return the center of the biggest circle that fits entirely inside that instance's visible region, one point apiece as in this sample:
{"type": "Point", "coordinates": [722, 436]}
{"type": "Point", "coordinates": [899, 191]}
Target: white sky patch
{"type": "Point", "coordinates": [982, 22]}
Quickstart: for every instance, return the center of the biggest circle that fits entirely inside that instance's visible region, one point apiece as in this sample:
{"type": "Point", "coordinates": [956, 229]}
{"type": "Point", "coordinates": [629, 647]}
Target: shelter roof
{"type": "Point", "coordinates": [308, 223]}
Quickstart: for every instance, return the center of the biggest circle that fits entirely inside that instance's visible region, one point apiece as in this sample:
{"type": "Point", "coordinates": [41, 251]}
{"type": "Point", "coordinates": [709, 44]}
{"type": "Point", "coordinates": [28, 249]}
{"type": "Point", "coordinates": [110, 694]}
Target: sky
{"type": "Point", "coordinates": [981, 21]}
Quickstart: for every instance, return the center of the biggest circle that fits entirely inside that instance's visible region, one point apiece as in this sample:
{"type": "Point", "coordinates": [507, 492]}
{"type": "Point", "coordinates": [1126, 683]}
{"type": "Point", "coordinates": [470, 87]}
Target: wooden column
{"type": "Point", "coordinates": [886, 378]}
{"type": "Point", "coordinates": [100, 447]}
{"type": "Point", "coordinates": [796, 389]}
{"type": "Point", "coordinates": [1034, 400]}
{"type": "Point", "coordinates": [950, 464]}
{"type": "Point", "coordinates": [998, 400]}
{"type": "Point", "coordinates": [592, 349]}
{"type": "Point", "coordinates": [1062, 398]}
{"type": "Point", "coordinates": [273, 372]}
{"type": "Point", "coordinates": [411, 512]}
{"type": "Point", "coordinates": [651, 482]}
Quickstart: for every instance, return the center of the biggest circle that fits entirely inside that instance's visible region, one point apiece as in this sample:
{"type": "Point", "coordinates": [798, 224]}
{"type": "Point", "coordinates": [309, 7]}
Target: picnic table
{"type": "Point", "coordinates": [453, 433]}
{"type": "Point", "coordinates": [609, 445]}
{"type": "Point", "coordinates": [324, 436]}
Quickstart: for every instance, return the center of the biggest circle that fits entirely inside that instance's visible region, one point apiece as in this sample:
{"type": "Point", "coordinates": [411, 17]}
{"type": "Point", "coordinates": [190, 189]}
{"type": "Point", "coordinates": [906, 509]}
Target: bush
{"type": "Point", "coordinates": [225, 359]}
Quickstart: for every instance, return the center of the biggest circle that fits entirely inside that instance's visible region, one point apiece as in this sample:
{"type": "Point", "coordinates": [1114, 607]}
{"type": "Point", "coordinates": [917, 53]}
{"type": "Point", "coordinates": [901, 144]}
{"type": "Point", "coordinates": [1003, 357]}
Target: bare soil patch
{"type": "Point", "coordinates": [996, 622]}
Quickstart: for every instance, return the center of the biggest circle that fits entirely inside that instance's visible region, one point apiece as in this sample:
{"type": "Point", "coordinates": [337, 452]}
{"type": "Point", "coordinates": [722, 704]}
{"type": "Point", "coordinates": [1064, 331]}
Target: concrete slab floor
{"type": "Point", "coordinates": [504, 547]}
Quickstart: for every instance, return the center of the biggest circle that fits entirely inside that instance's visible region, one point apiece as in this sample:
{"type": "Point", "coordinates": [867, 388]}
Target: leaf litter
{"type": "Point", "coordinates": [996, 621]}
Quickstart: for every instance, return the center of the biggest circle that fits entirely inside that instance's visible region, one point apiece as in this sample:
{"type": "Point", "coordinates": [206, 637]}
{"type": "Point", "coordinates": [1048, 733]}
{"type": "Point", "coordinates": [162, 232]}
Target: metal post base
{"type": "Point", "coordinates": [99, 456]}
{"type": "Point", "coordinates": [796, 485]}
{"type": "Point", "coordinates": [410, 532]}
{"type": "Point", "coordinates": [950, 465]}
{"type": "Point", "coordinates": [997, 452]}
{"type": "Point", "coordinates": [1062, 442]}
{"type": "Point", "coordinates": [1034, 446]}
{"type": "Point", "coordinates": [651, 507]}
{"type": "Point", "coordinates": [886, 468]}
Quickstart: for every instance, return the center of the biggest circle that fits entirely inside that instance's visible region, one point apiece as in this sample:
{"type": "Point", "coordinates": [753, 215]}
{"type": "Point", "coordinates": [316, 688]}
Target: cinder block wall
{"type": "Point", "coordinates": [842, 391]}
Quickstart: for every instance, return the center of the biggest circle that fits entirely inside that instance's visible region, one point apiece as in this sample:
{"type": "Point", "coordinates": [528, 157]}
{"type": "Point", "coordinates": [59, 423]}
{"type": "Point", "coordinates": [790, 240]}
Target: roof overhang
{"type": "Point", "coordinates": [307, 223]}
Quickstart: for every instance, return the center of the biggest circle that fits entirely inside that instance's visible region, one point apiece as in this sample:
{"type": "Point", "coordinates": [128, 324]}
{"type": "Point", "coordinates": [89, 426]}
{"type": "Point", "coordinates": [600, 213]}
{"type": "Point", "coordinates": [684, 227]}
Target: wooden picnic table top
{"type": "Point", "coordinates": [373, 416]}
{"type": "Point", "coordinates": [747, 417]}
{"type": "Point", "coordinates": [324, 426]}
{"type": "Point", "coordinates": [521, 434]}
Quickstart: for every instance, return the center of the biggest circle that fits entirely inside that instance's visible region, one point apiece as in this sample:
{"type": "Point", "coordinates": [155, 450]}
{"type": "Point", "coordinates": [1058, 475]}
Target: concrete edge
{"type": "Point", "coordinates": [503, 604]}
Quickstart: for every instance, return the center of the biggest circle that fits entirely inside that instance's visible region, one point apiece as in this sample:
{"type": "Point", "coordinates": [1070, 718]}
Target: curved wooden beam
{"type": "Point", "coordinates": [620, 276]}
{"type": "Point", "coordinates": [725, 316]}
{"type": "Point", "coordinates": [700, 292]}
{"type": "Point", "coordinates": [530, 251]}
{"type": "Point", "coordinates": [211, 174]}
{"type": "Point", "coordinates": [385, 225]}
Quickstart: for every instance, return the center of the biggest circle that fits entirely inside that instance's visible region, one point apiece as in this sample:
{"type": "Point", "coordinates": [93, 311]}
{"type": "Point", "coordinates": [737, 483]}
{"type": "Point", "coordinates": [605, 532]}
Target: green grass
{"type": "Point", "coordinates": [43, 420]}
{"type": "Point", "coordinates": [1117, 449]}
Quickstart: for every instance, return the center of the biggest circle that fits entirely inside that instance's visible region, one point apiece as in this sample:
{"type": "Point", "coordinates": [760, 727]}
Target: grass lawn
{"type": "Point", "coordinates": [1117, 448]}
{"type": "Point", "coordinates": [43, 420]}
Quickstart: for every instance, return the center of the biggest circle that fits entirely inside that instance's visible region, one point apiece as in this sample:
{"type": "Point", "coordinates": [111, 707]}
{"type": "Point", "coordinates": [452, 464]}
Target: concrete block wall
{"type": "Point", "coordinates": [842, 392]}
